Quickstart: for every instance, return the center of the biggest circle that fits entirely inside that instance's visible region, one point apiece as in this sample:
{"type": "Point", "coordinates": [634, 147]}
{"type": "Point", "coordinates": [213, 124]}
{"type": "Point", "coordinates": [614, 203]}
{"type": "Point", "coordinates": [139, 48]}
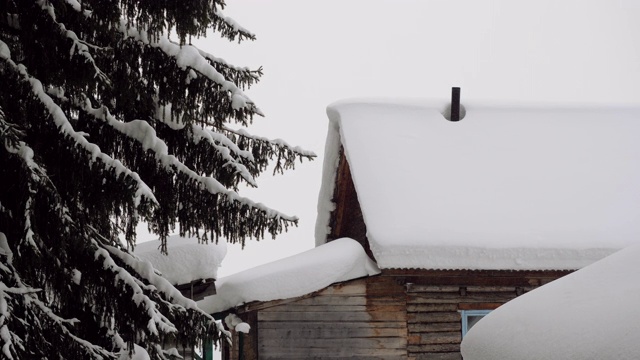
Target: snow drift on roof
{"type": "Point", "coordinates": [590, 314]}
{"type": "Point", "coordinates": [504, 188]}
{"type": "Point", "coordinates": [187, 260]}
{"type": "Point", "coordinates": [340, 260]}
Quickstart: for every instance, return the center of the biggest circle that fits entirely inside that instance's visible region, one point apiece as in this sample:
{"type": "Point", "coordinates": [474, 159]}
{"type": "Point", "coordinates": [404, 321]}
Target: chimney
{"type": "Point", "coordinates": [455, 104]}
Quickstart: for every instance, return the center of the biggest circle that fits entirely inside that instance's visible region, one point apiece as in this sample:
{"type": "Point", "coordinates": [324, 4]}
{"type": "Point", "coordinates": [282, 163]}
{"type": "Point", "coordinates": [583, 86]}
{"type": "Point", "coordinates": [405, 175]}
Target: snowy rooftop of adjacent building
{"type": "Point", "coordinates": [590, 314]}
{"type": "Point", "coordinates": [504, 188]}
{"type": "Point", "coordinates": [301, 274]}
{"type": "Point", "coordinates": [187, 260]}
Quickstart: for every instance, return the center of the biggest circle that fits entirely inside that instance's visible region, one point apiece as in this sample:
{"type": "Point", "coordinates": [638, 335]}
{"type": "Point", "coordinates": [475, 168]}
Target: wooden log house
{"type": "Point", "coordinates": [430, 291]}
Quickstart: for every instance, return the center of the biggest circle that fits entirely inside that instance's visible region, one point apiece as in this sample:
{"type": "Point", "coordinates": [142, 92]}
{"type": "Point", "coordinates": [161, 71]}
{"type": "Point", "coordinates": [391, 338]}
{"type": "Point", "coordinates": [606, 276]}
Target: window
{"type": "Point", "coordinates": [470, 318]}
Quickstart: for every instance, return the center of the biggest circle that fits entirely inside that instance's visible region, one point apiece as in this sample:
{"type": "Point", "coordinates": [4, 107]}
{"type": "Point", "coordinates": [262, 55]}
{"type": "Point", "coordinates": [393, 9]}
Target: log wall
{"type": "Point", "coordinates": [402, 314]}
{"type": "Point", "coordinates": [360, 319]}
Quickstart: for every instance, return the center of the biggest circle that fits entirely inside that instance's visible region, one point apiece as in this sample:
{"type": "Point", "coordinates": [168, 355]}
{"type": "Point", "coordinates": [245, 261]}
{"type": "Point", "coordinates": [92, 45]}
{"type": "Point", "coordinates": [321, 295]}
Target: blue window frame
{"type": "Point", "coordinates": [470, 318]}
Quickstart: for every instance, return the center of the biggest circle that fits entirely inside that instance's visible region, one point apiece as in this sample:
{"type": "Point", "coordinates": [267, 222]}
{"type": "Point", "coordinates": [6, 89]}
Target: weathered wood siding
{"type": "Point", "coordinates": [363, 318]}
{"type": "Point", "coordinates": [435, 300]}
{"type": "Point", "coordinates": [346, 219]}
{"type": "Point", "coordinates": [401, 314]}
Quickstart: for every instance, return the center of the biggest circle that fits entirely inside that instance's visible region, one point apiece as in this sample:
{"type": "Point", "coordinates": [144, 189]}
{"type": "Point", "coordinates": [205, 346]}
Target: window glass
{"type": "Point", "coordinates": [470, 318]}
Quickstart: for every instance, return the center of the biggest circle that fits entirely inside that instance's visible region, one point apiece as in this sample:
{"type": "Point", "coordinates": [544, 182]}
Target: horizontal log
{"type": "Point", "coordinates": [435, 317]}
{"type": "Point", "coordinates": [309, 308]}
{"type": "Point", "coordinates": [331, 331]}
{"type": "Point", "coordinates": [434, 327]}
{"type": "Point", "coordinates": [335, 308]}
{"type": "Point", "coordinates": [331, 316]}
{"type": "Point", "coordinates": [437, 348]}
{"type": "Point", "coordinates": [323, 356]}
{"type": "Point", "coordinates": [450, 298]}
{"type": "Point", "coordinates": [454, 337]}
{"type": "Point", "coordinates": [322, 353]}
{"type": "Point", "coordinates": [438, 356]}
{"type": "Point", "coordinates": [431, 307]}
{"type": "Point", "coordinates": [387, 300]}
{"type": "Point", "coordinates": [482, 289]}
{"type": "Point", "coordinates": [411, 288]}
{"type": "Point", "coordinates": [319, 324]}
{"type": "Point", "coordinates": [267, 345]}
{"type": "Point", "coordinates": [332, 300]}
{"type": "Point", "coordinates": [479, 306]}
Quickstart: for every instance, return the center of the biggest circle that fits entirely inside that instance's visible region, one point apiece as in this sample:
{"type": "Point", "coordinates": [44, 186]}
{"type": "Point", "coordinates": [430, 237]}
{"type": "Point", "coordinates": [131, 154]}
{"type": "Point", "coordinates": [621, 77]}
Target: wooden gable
{"type": "Point", "coordinates": [346, 219]}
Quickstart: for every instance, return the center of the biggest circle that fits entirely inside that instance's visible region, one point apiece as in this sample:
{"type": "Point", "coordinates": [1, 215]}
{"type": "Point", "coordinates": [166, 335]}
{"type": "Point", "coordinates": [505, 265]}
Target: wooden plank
{"type": "Point", "coordinates": [479, 306]}
{"type": "Point", "coordinates": [390, 343]}
{"type": "Point", "coordinates": [331, 316]}
{"type": "Point", "coordinates": [313, 308]}
{"type": "Point", "coordinates": [450, 298]}
{"type": "Point", "coordinates": [437, 348]}
{"type": "Point", "coordinates": [398, 299]}
{"type": "Point", "coordinates": [332, 300]}
{"type": "Point", "coordinates": [323, 356]}
{"type": "Point", "coordinates": [435, 317]}
{"type": "Point", "coordinates": [347, 325]}
{"type": "Point", "coordinates": [332, 331]}
{"type": "Point", "coordinates": [336, 308]}
{"type": "Point", "coordinates": [454, 337]}
{"type": "Point", "coordinates": [434, 327]}
{"type": "Point", "coordinates": [411, 288]}
{"type": "Point", "coordinates": [438, 356]}
{"type": "Point", "coordinates": [324, 353]}
{"type": "Point", "coordinates": [431, 307]}
{"type": "Point", "coordinates": [491, 288]}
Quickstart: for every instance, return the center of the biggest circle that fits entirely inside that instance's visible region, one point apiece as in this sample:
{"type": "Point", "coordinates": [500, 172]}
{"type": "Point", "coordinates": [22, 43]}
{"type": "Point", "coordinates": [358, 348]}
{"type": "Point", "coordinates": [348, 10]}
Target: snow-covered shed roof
{"type": "Point", "coordinates": [590, 314]}
{"type": "Point", "coordinates": [301, 274]}
{"type": "Point", "coordinates": [187, 260]}
{"type": "Point", "coordinates": [504, 188]}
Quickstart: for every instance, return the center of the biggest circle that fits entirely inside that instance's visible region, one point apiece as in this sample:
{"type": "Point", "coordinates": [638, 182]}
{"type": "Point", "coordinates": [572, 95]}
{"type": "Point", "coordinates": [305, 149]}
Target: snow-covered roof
{"type": "Point", "coordinates": [187, 260]}
{"type": "Point", "coordinates": [301, 274]}
{"type": "Point", "coordinates": [590, 314]}
{"type": "Point", "coordinates": [504, 188]}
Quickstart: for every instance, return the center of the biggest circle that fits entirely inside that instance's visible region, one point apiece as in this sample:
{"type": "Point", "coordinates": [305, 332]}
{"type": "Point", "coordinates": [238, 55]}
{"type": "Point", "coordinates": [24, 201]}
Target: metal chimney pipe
{"type": "Point", "coordinates": [455, 104]}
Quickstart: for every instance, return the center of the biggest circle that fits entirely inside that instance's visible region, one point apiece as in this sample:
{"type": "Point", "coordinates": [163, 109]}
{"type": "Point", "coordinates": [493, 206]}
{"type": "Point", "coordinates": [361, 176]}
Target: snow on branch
{"type": "Point", "coordinates": [282, 146]}
{"type": "Point", "coordinates": [245, 77]}
{"type": "Point", "coordinates": [145, 270]}
{"type": "Point", "coordinates": [36, 174]}
{"type": "Point", "coordinates": [156, 319]}
{"type": "Point", "coordinates": [27, 292]}
{"type": "Point", "coordinates": [222, 144]}
{"type": "Point", "coordinates": [189, 57]}
{"type": "Point", "coordinates": [79, 47]}
{"type": "Point", "coordinates": [65, 127]}
{"type": "Point", "coordinates": [145, 134]}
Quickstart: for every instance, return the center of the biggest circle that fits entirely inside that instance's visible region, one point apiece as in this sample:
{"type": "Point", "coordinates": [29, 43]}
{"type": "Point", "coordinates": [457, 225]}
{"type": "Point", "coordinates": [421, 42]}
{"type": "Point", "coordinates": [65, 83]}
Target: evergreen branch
{"type": "Point", "coordinates": [79, 47]}
{"type": "Point", "coordinates": [25, 291]}
{"type": "Point", "coordinates": [141, 131]}
{"type": "Point", "coordinates": [285, 154]}
{"type": "Point", "coordinates": [189, 57]}
{"type": "Point", "coordinates": [25, 153]}
{"type": "Point", "coordinates": [189, 19]}
{"type": "Point", "coordinates": [242, 76]}
{"type": "Point", "coordinates": [157, 321]}
{"type": "Point", "coordinates": [65, 128]}
{"type": "Point", "coordinates": [220, 143]}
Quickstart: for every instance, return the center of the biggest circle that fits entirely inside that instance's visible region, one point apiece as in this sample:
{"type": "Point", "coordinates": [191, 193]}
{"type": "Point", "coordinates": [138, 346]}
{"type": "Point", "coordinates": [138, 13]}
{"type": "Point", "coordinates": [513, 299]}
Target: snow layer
{"type": "Point", "coordinates": [340, 260]}
{"type": "Point", "coordinates": [187, 260]}
{"type": "Point", "coordinates": [139, 353]}
{"type": "Point", "coordinates": [504, 188]}
{"type": "Point", "coordinates": [590, 314]}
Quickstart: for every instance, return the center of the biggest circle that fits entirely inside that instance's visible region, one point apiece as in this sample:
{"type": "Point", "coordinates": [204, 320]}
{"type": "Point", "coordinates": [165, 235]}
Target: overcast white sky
{"type": "Point", "coordinates": [317, 52]}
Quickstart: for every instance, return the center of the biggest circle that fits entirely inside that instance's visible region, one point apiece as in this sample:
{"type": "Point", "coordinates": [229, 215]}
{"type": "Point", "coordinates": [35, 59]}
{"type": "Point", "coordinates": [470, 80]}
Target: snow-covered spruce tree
{"type": "Point", "coordinates": [106, 121]}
